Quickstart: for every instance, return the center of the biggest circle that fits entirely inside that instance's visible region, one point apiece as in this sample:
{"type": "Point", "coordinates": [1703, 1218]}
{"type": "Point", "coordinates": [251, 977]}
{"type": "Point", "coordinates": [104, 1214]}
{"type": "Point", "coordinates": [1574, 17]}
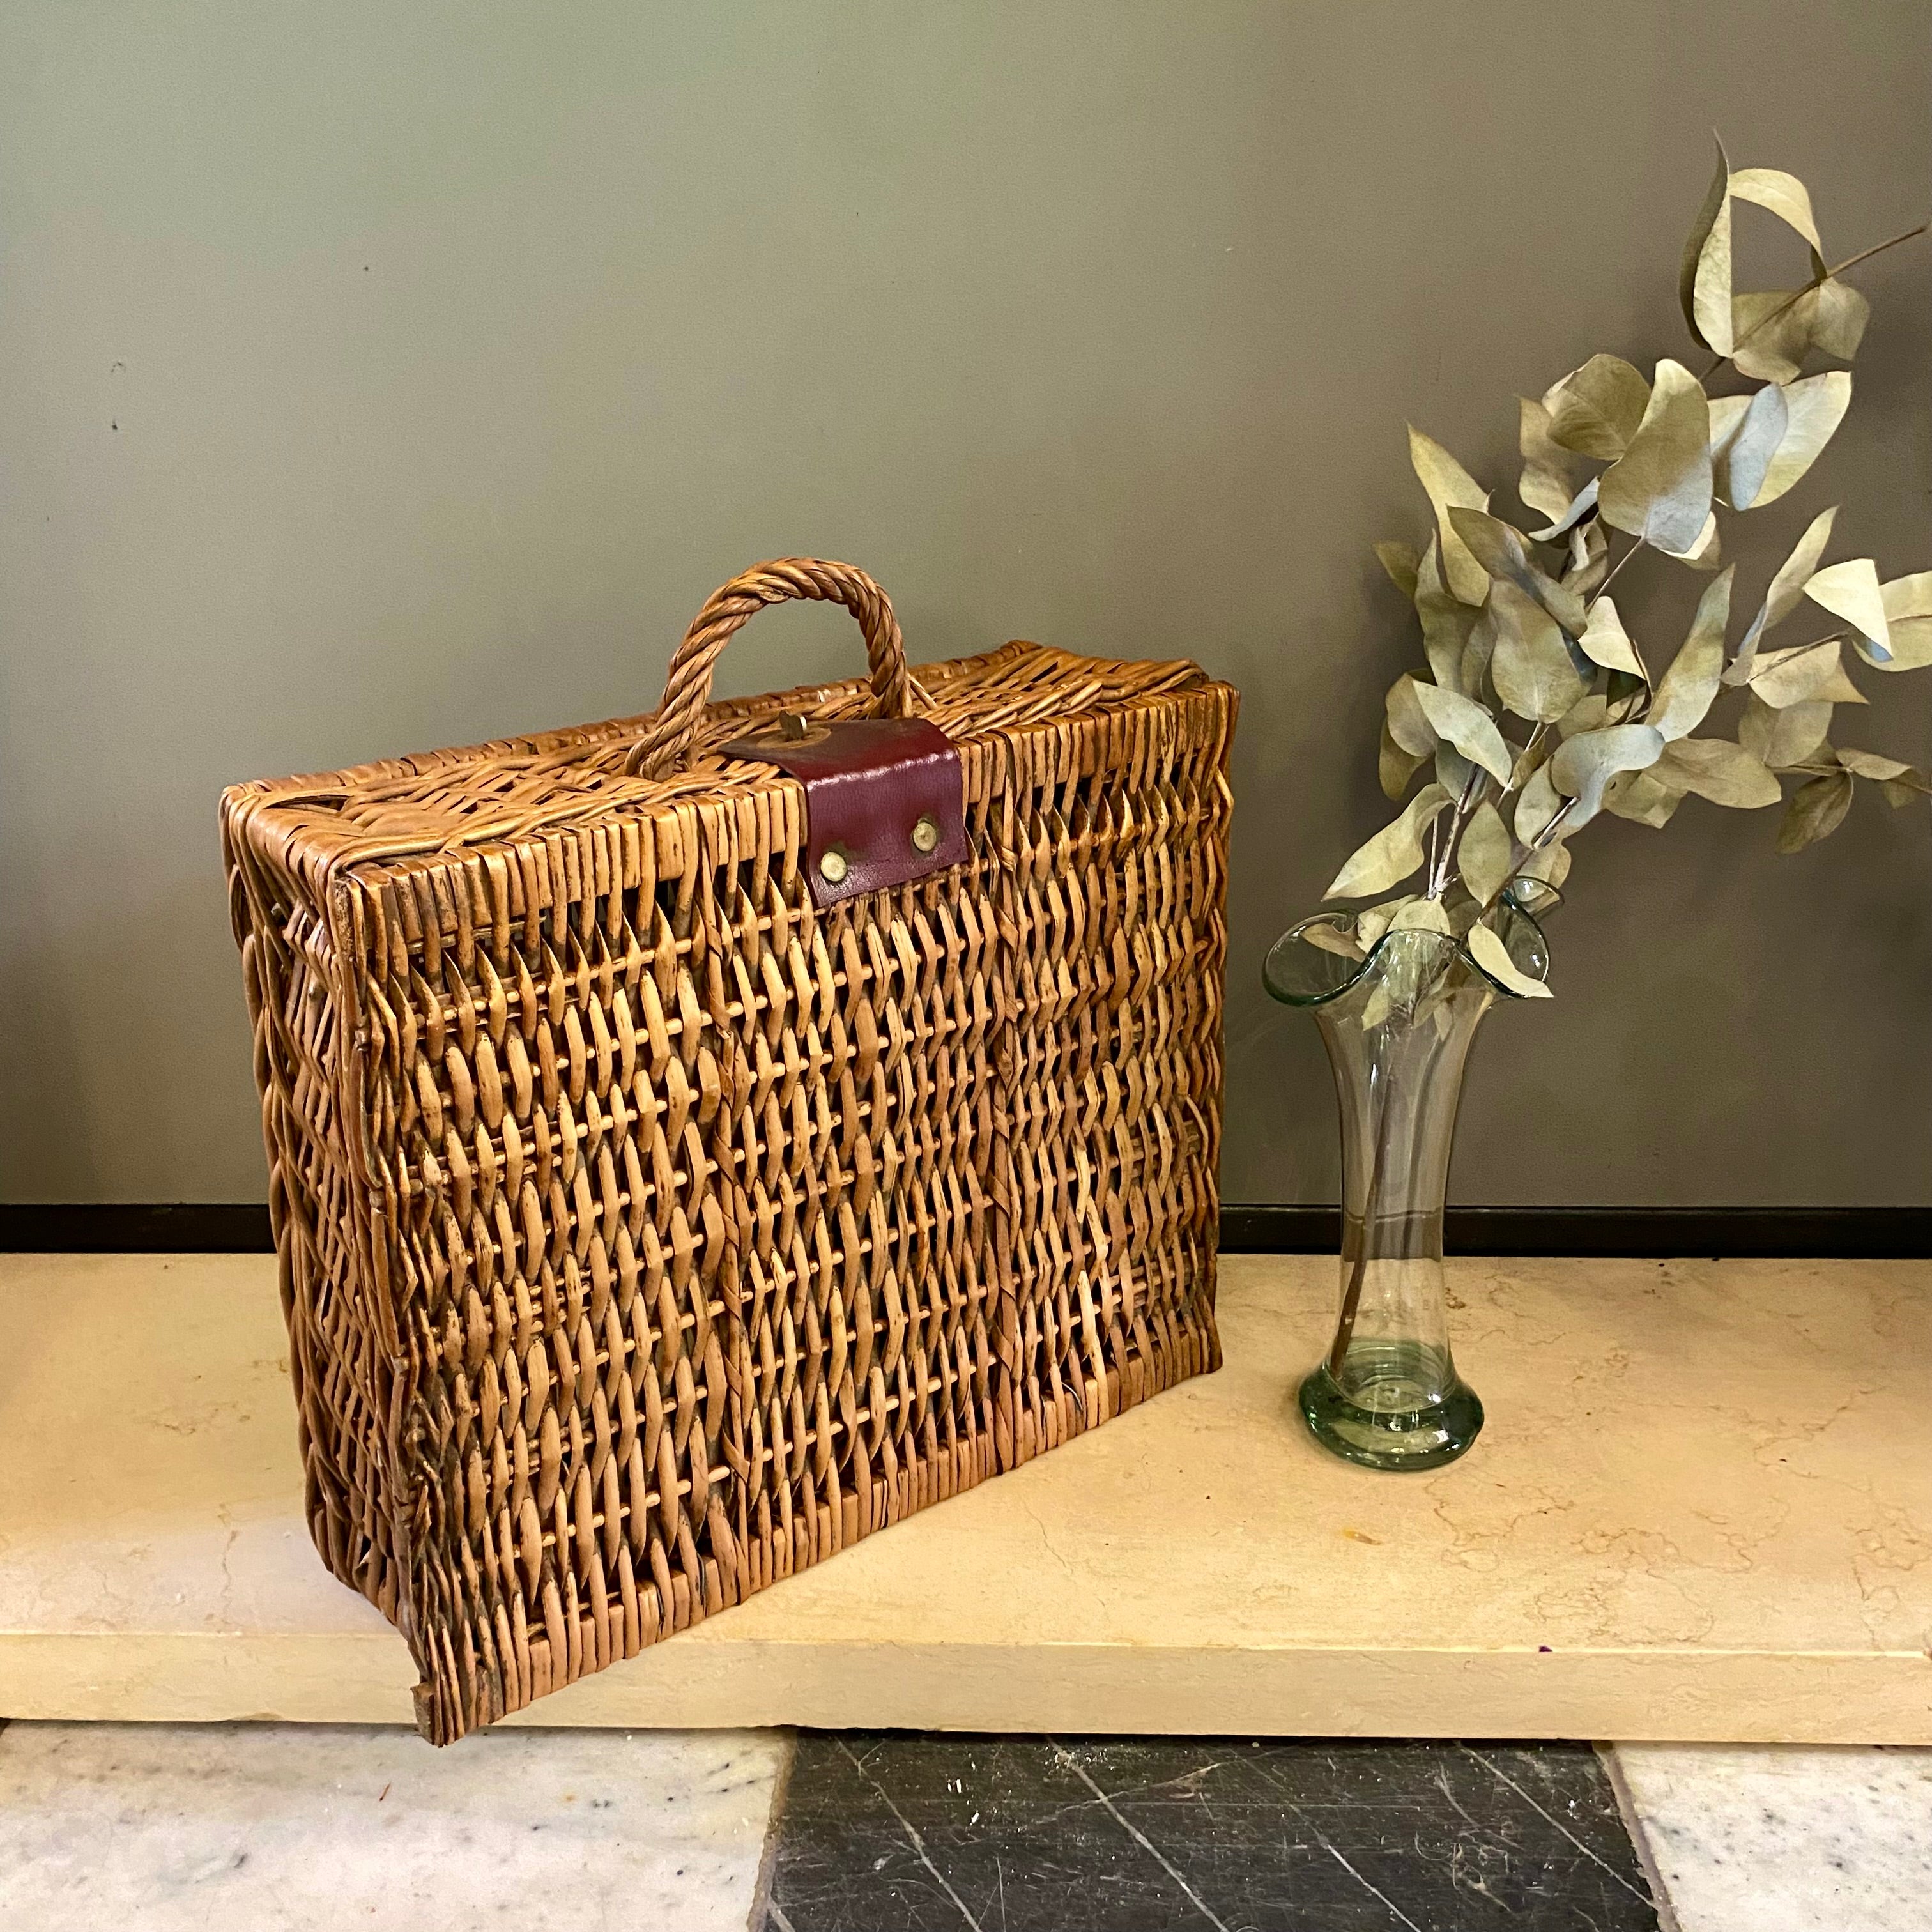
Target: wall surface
{"type": "Point", "coordinates": [376, 377]}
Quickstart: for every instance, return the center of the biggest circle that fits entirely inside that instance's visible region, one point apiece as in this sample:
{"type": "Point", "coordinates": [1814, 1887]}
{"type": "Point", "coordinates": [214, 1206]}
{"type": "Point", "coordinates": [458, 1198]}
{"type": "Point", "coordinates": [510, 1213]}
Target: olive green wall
{"type": "Point", "coordinates": [374, 377]}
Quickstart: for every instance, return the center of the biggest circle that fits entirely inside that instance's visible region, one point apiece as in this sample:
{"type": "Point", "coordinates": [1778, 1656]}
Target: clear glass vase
{"type": "Point", "coordinates": [1397, 1018]}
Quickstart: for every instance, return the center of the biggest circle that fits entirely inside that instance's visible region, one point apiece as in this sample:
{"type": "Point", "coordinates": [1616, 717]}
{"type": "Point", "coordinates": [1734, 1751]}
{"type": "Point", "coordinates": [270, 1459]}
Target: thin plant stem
{"type": "Point", "coordinates": [1351, 1296]}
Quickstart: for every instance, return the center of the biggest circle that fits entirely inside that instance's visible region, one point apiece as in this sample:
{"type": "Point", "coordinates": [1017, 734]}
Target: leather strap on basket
{"type": "Point", "coordinates": [665, 746]}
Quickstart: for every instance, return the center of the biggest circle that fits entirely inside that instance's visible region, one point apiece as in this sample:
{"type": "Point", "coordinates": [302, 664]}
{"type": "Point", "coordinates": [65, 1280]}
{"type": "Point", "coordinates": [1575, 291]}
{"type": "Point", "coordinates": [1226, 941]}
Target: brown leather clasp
{"type": "Point", "coordinates": [885, 801]}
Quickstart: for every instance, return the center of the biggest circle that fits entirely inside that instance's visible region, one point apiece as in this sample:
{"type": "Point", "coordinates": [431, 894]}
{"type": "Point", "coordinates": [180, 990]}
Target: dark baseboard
{"type": "Point", "coordinates": [241, 1227]}
{"type": "Point", "coordinates": [1658, 1234]}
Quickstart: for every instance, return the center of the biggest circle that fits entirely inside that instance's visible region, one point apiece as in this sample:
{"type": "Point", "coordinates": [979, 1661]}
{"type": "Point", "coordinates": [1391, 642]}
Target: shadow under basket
{"type": "Point", "coordinates": [658, 1214]}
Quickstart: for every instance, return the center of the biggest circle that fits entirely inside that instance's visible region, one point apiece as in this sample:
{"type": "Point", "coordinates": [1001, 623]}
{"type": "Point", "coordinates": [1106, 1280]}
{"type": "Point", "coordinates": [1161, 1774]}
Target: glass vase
{"type": "Point", "coordinates": [1397, 1018]}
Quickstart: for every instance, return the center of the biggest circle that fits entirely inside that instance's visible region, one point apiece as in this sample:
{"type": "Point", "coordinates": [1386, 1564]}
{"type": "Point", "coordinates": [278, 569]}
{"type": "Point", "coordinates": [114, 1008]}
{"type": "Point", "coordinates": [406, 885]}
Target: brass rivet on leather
{"type": "Point", "coordinates": [833, 866]}
{"type": "Point", "coordinates": [794, 725]}
{"type": "Point", "coordinates": [925, 834]}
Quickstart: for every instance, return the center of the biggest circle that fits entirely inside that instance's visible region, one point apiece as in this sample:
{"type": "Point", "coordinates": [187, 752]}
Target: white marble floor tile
{"type": "Point", "coordinates": [1784, 1838]}
{"type": "Point", "coordinates": [242, 1828]}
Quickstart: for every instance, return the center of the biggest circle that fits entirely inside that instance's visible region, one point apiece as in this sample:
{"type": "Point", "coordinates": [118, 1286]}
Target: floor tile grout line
{"type": "Point", "coordinates": [1133, 1832]}
{"type": "Point", "coordinates": [1504, 1778]}
{"type": "Point", "coordinates": [913, 1837]}
{"type": "Point", "coordinates": [1639, 1837]}
{"type": "Point", "coordinates": [762, 1907]}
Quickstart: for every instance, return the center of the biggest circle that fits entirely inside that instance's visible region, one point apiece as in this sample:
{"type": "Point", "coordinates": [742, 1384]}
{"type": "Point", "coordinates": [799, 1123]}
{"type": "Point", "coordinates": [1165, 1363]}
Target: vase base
{"type": "Point", "coordinates": [1382, 1427]}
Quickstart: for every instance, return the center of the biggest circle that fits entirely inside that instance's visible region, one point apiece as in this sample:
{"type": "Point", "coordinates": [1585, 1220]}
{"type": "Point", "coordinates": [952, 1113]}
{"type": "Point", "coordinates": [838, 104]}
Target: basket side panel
{"type": "Point", "coordinates": [726, 1231]}
{"type": "Point", "coordinates": [340, 1360]}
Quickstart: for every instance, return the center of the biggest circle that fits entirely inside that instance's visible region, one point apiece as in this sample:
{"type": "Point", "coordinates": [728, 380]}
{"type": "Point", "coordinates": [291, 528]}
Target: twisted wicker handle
{"type": "Point", "coordinates": [687, 683]}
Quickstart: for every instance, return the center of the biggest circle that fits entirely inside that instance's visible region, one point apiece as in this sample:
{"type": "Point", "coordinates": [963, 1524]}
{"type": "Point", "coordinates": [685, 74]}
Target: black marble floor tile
{"type": "Point", "coordinates": [900, 1832]}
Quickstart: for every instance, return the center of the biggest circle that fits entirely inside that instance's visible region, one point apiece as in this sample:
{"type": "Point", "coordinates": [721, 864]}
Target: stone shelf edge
{"type": "Point", "coordinates": [1701, 1510]}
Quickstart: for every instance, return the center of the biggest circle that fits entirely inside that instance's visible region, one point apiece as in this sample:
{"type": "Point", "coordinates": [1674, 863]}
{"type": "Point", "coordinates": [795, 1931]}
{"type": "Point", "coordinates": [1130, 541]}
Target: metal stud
{"type": "Point", "coordinates": [925, 834]}
{"type": "Point", "coordinates": [833, 866]}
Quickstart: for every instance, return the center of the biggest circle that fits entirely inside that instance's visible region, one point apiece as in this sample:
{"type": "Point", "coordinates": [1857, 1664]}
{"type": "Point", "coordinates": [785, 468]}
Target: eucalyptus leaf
{"type": "Point", "coordinates": [1779, 678]}
{"type": "Point", "coordinates": [1704, 554]}
{"type": "Point", "coordinates": [1785, 195]}
{"type": "Point", "coordinates": [1871, 765]}
{"type": "Point", "coordinates": [1840, 324]}
{"type": "Point", "coordinates": [1685, 694]}
{"type": "Point", "coordinates": [1490, 953]}
{"type": "Point", "coordinates": [1371, 923]}
{"type": "Point", "coordinates": [1447, 621]}
{"type": "Point", "coordinates": [1589, 557]}
{"type": "Point", "coordinates": [1453, 771]}
{"type": "Point", "coordinates": [1421, 915]}
{"type": "Point", "coordinates": [1450, 487]}
{"type": "Point", "coordinates": [1714, 769]}
{"type": "Point", "coordinates": [1839, 689]}
{"type": "Point", "coordinates": [1596, 410]}
{"type": "Point", "coordinates": [1660, 489]}
{"type": "Point", "coordinates": [1549, 867]}
{"type": "Point", "coordinates": [1813, 409]}
{"type": "Point", "coordinates": [1409, 723]}
{"type": "Point", "coordinates": [1403, 564]}
{"type": "Point", "coordinates": [1787, 592]}
{"type": "Point", "coordinates": [1772, 331]}
{"type": "Point", "coordinates": [1908, 612]}
{"type": "Point", "coordinates": [1816, 812]}
{"type": "Point", "coordinates": [1583, 504]}
{"type": "Point", "coordinates": [1548, 482]}
{"type": "Point", "coordinates": [1501, 549]}
{"type": "Point", "coordinates": [1782, 738]}
{"type": "Point", "coordinates": [1704, 279]}
{"type": "Point", "coordinates": [1538, 807]}
{"type": "Point", "coordinates": [1394, 853]}
{"type": "Point", "coordinates": [1588, 762]}
{"type": "Point", "coordinates": [1743, 457]}
{"type": "Point", "coordinates": [1394, 767]}
{"type": "Point", "coordinates": [1532, 669]}
{"type": "Point", "coordinates": [1603, 641]}
{"type": "Point", "coordinates": [1467, 727]}
{"type": "Point", "coordinates": [1484, 856]}
{"type": "Point", "coordinates": [1591, 712]}
{"type": "Point", "coordinates": [1851, 590]}
{"type": "Point", "coordinates": [1328, 938]}
{"type": "Point", "coordinates": [1638, 796]}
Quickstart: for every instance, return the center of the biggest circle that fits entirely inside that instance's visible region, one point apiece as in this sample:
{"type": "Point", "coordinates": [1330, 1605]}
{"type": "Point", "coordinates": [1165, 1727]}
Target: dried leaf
{"type": "Point", "coordinates": [1704, 280]}
{"type": "Point", "coordinates": [1782, 738]}
{"type": "Point", "coordinates": [1483, 858]}
{"type": "Point", "coordinates": [1660, 489]}
{"type": "Point", "coordinates": [1596, 410]}
{"type": "Point", "coordinates": [1476, 654]}
{"type": "Point", "coordinates": [1532, 668]}
{"type": "Point", "coordinates": [1549, 478]}
{"type": "Point", "coordinates": [1372, 924]}
{"type": "Point", "coordinates": [1685, 694]}
{"type": "Point", "coordinates": [1549, 867]}
{"type": "Point", "coordinates": [1394, 853]}
{"type": "Point", "coordinates": [1409, 723]}
{"type": "Point", "coordinates": [1908, 611]}
{"type": "Point", "coordinates": [1422, 915]}
{"type": "Point", "coordinates": [1500, 548]}
{"type": "Point", "coordinates": [1785, 195]}
{"type": "Point", "coordinates": [1704, 553]}
{"type": "Point", "coordinates": [1403, 562]}
{"type": "Point", "coordinates": [1813, 409]}
{"type": "Point", "coordinates": [1394, 766]}
{"type": "Point", "coordinates": [1772, 331]}
{"type": "Point", "coordinates": [1839, 325]}
{"type": "Point", "coordinates": [1779, 678]}
{"type": "Point", "coordinates": [1714, 769]}
{"type": "Point", "coordinates": [1638, 796]}
{"type": "Point", "coordinates": [1871, 765]}
{"type": "Point", "coordinates": [1328, 938]}
{"type": "Point", "coordinates": [1742, 457]}
{"type": "Point", "coordinates": [1604, 641]}
{"type": "Point", "coordinates": [1591, 712]}
{"type": "Point", "coordinates": [1446, 620]}
{"type": "Point", "coordinates": [1538, 807]}
{"type": "Point", "coordinates": [1589, 556]}
{"type": "Point", "coordinates": [1467, 727]}
{"type": "Point", "coordinates": [1787, 592]}
{"type": "Point", "coordinates": [1582, 505]}
{"type": "Point", "coordinates": [1588, 762]}
{"type": "Point", "coordinates": [1450, 487]}
{"type": "Point", "coordinates": [1839, 689]}
{"type": "Point", "coordinates": [1816, 812]}
{"type": "Point", "coordinates": [1850, 590]}
{"type": "Point", "coordinates": [1490, 953]}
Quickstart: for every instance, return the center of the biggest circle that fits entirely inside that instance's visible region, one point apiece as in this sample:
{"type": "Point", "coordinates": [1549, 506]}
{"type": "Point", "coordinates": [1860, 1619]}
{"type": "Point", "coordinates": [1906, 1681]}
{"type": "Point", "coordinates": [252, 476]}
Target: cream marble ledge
{"type": "Point", "coordinates": [1696, 1512]}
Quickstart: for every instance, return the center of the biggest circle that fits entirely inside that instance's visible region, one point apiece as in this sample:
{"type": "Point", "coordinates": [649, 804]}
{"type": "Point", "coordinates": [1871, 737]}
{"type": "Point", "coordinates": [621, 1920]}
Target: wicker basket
{"type": "Point", "coordinates": [650, 1230]}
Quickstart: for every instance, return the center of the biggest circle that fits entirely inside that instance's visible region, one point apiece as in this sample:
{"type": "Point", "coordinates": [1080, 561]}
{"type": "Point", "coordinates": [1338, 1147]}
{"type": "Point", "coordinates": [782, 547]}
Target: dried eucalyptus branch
{"type": "Point", "coordinates": [1537, 710]}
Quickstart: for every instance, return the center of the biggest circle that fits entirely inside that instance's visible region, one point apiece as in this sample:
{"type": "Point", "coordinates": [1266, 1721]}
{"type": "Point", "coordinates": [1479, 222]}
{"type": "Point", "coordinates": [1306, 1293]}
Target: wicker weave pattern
{"type": "Point", "coordinates": [647, 1235]}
